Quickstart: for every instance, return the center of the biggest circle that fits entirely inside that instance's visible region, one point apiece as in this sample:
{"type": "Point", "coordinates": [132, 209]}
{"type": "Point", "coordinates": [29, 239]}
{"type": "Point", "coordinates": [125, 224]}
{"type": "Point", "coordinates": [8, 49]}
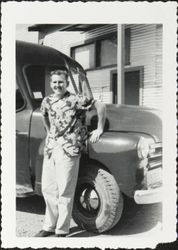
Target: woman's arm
{"type": "Point", "coordinates": [44, 112]}
{"type": "Point", "coordinates": [99, 106]}
{"type": "Point", "coordinates": [101, 112]}
{"type": "Point", "coordinates": [46, 123]}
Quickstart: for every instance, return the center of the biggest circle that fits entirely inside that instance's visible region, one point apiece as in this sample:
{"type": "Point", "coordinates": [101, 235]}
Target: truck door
{"type": "Point", "coordinates": [38, 79]}
{"type": "Point", "coordinates": [23, 115]}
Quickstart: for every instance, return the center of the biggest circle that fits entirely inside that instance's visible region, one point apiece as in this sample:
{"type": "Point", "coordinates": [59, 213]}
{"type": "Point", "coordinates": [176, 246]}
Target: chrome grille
{"type": "Point", "coordinates": [154, 170]}
{"type": "Point", "coordinates": [155, 156]}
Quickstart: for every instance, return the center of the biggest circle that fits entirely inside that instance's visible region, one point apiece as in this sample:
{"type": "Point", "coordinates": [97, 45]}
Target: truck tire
{"type": "Point", "coordinates": [98, 202]}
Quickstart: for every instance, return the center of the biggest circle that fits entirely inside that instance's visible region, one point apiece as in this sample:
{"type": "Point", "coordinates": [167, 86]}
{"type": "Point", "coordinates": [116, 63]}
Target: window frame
{"type": "Point", "coordinates": [72, 50]}
{"type": "Point", "coordinates": [46, 66]}
{"type": "Point", "coordinates": [97, 43]}
{"type": "Point", "coordinates": [25, 103]}
{"type": "Point", "coordinates": [27, 81]}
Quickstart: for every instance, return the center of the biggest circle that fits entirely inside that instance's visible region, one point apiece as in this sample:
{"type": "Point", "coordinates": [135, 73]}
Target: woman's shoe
{"type": "Point", "coordinates": [43, 233]}
{"type": "Point", "coordinates": [60, 235]}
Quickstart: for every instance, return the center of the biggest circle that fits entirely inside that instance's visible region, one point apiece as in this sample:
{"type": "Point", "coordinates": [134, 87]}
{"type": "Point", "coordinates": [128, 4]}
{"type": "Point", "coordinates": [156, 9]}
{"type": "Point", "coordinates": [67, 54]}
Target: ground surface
{"type": "Point", "coordinates": [136, 220]}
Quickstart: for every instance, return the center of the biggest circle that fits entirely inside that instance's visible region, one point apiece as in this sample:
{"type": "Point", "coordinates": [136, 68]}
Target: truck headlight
{"type": "Point", "coordinates": [143, 148]}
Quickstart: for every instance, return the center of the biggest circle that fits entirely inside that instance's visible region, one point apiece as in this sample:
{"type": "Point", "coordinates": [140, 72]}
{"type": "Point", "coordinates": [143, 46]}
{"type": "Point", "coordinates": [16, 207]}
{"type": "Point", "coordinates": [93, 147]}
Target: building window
{"type": "Point", "coordinates": [85, 55]}
{"type": "Point", "coordinates": [98, 53]}
{"type": "Point", "coordinates": [107, 51]}
{"type": "Point", "coordinates": [127, 46]}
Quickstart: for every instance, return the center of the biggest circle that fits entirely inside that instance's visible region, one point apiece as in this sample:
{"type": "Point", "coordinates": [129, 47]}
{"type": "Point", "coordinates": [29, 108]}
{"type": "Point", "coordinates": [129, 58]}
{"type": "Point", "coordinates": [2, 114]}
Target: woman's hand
{"type": "Point", "coordinates": [95, 135]}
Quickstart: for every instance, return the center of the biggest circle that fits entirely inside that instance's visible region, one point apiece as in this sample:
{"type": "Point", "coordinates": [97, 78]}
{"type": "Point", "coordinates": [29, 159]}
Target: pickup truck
{"type": "Point", "coordinates": [126, 161]}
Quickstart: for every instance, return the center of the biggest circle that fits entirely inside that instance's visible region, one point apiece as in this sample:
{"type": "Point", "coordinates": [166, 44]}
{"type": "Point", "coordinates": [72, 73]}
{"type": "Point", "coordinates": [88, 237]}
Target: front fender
{"type": "Point", "coordinates": [117, 151]}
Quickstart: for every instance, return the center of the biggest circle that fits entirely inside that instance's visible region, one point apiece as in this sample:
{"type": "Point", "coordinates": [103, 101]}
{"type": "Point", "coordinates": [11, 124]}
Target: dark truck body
{"type": "Point", "coordinates": [117, 150]}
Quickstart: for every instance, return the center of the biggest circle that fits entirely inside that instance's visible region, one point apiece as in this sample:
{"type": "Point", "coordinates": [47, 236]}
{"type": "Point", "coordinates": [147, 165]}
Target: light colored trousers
{"type": "Point", "coordinates": [59, 178]}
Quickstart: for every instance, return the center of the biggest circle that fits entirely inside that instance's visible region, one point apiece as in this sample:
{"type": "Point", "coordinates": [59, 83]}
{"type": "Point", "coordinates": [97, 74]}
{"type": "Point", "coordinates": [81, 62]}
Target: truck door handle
{"type": "Point", "coordinates": [21, 133]}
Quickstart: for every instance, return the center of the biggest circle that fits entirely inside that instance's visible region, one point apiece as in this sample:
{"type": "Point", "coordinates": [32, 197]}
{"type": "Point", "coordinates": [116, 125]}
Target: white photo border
{"type": "Point", "coordinates": [77, 12]}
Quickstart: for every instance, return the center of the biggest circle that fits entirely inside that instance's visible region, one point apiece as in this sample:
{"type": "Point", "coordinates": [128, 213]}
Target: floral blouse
{"type": "Point", "coordinates": [67, 122]}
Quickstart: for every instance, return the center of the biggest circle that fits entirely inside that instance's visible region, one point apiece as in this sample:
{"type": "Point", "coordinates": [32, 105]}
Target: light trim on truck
{"type": "Point", "coordinates": [143, 148]}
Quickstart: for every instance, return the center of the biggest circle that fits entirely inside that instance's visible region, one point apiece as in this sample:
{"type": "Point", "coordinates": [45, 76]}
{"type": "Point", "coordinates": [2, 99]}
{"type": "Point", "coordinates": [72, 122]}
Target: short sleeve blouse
{"type": "Point", "coordinates": [67, 120]}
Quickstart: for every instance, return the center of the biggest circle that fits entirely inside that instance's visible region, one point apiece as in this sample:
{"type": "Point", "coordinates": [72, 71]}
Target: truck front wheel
{"type": "Point", "coordinates": [98, 202]}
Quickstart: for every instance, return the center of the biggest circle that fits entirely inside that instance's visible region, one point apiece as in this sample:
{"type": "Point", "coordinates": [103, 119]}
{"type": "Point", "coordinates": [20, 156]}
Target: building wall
{"type": "Point", "coordinates": [62, 40]}
{"type": "Point", "coordinates": [146, 51]}
{"type": "Point", "coordinates": [110, 28]}
{"type": "Point", "coordinates": [22, 34]}
{"type": "Point", "coordinates": [100, 79]}
{"type": "Point", "coordinates": [100, 84]}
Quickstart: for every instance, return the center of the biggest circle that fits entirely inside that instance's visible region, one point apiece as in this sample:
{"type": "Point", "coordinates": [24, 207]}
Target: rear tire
{"type": "Point", "coordinates": [98, 202]}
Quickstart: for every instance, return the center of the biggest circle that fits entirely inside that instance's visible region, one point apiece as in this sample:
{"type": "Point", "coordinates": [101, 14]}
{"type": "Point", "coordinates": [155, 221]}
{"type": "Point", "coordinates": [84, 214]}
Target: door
{"type": "Point", "coordinates": [114, 86]}
{"type": "Point", "coordinates": [23, 174]}
{"type": "Point", "coordinates": [132, 87]}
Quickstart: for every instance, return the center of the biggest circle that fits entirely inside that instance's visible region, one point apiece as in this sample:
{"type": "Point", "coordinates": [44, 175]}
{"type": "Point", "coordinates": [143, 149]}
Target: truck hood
{"type": "Point", "coordinates": [127, 118]}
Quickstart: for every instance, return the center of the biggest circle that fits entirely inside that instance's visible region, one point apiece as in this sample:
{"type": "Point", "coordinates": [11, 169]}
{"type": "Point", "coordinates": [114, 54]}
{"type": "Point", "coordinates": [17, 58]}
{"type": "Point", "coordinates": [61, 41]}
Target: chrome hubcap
{"type": "Point", "coordinates": [89, 200]}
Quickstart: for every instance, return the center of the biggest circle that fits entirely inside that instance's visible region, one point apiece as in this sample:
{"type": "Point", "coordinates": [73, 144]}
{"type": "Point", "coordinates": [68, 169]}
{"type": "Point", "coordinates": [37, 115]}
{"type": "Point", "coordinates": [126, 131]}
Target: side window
{"type": "Point", "coordinates": [20, 102]}
{"type": "Point", "coordinates": [38, 79]}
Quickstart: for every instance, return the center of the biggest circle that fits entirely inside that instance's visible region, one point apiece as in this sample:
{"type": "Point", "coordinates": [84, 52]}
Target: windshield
{"type": "Point", "coordinates": [79, 80]}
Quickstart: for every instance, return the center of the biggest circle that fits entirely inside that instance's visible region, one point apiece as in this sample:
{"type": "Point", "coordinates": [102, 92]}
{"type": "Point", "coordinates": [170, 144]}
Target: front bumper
{"type": "Point", "coordinates": [148, 196]}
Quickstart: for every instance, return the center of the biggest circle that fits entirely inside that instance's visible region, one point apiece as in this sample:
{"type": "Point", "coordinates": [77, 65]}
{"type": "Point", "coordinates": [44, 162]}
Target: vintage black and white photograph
{"type": "Point", "coordinates": [90, 131]}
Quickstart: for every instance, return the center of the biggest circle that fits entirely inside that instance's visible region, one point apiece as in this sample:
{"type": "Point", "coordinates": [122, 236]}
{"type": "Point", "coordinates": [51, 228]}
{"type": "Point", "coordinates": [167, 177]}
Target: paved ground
{"type": "Point", "coordinates": [137, 220]}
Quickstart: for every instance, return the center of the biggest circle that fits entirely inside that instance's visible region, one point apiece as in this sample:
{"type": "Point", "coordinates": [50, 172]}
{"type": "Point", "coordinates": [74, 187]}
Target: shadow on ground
{"type": "Point", "coordinates": [33, 204]}
{"type": "Point", "coordinates": [135, 218]}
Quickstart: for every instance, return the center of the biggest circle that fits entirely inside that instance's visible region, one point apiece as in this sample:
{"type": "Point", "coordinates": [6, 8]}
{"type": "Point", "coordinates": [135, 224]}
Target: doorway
{"type": "Point", "coordinates": [114, 88]}
{"type": "Point", "coordinates": [133, 83]}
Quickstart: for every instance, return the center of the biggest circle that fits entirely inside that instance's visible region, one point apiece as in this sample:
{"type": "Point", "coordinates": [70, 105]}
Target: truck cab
{"type": "Point", "coordinates": [126, 160]}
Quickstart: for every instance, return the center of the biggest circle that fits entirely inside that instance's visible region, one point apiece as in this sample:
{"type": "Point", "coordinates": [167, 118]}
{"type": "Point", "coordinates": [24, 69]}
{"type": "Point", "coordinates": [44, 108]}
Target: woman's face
{"type": "Point", "coordinates": [59, 84]}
